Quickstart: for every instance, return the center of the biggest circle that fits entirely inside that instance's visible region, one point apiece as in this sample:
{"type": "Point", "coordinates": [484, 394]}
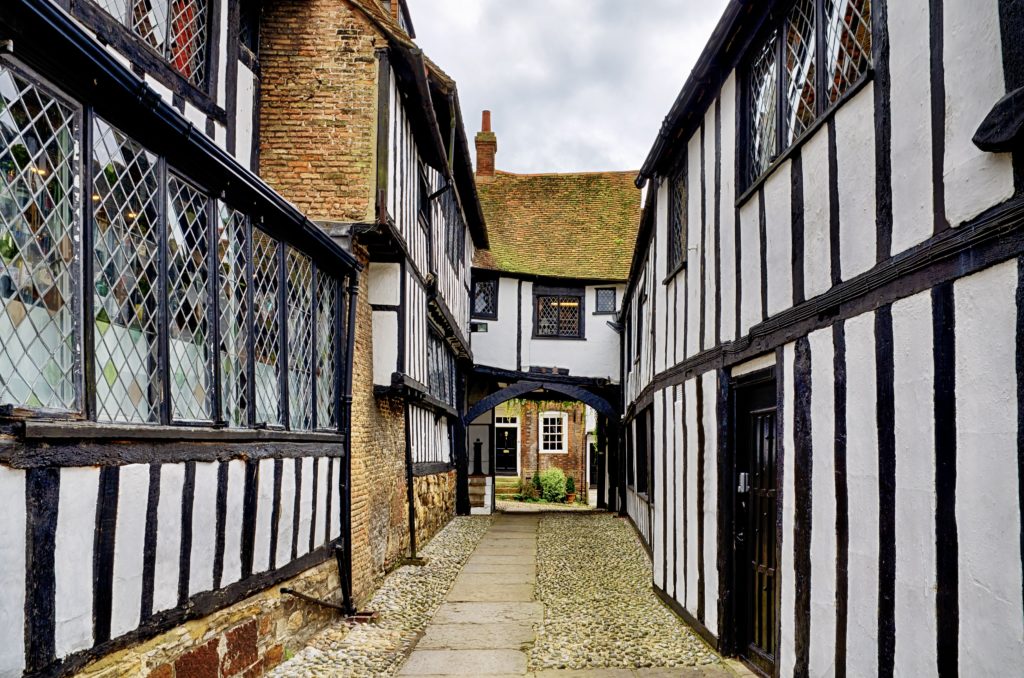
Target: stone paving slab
{"type": "Point", "coordinates": [465, 663]}
{"type": "Point", "coordinates": [476, 636]}
{"type": "Point", "coordinates": [485, 613]}
{"type": "Point", "coordinates": [498, 567]}
{"type": "Point", "coordinates": [516, 548]}
{"type": "Point", "coordinates": [483, 591]}
{"type": "Point", "coordinates": [510, 560]}
{"type": "Point", "coordinates": [521, 576]}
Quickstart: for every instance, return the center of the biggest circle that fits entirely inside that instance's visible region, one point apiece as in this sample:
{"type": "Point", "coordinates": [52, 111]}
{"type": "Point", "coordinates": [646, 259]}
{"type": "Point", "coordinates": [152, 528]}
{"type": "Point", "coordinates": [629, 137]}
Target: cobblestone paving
{"type": "Point", "coordinates": [593, 577]}
{"type": "Point", "coordinates": [406, 602]}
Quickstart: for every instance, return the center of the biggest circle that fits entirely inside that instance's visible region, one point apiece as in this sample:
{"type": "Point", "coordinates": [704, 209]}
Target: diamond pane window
{"type": "Point", "coordinates": [485, 298]}
{"type": "Point", "coordinates": [326, 351]}
{"type": "Point", "coordinates": [441, 370]}
{"type": "Point", "coordinates": [552, 431]}
{"type": "Point", "coordinates": [800, 65]}
{"type": "Point", "coordinates": [300, 341]}
{"type": "Point", "coordinates": [234, 315]}
{"type": "Point", "coordinates": [188, 301]}
{"type": "Point", "coordinates": [266, 328]}
{"type": "Point", "coordinates": [605, 300]}
{"type": "Point", "coordinates": [148, 20]}
{"type": "Point", "coordinates": [847, 44]}
{"type": "Point", "coordinates": [558, 316]}
{"type": "Point", "coordinates": [126, 243]}
{"type": "Point", "coordinates": [677, 220]}
{"type": "Point", "coordinates": [39, 167]}
{"type": "Point", "coordinates": [763, 107]}
{"type": "Point", "coordinates": [186, 47]}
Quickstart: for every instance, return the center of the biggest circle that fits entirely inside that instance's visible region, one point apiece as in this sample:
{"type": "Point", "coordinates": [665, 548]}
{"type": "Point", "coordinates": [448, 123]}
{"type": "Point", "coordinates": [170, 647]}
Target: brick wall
{"type": "Point", "coordinates": [572, 464]}
{"type": "Point", "coordinates": [318, 114]}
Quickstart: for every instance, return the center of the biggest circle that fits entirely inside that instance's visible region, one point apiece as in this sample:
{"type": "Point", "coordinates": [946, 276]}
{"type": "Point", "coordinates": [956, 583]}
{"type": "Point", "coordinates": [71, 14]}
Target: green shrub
{"type": "Point", "coordinates": [570, 485]}
{"type": "Point", "coordinates": [526, 490]}
{"type": "Point", "coordinates": [552, 484]}
{"type": "Point", "coordinates": [536, 483]}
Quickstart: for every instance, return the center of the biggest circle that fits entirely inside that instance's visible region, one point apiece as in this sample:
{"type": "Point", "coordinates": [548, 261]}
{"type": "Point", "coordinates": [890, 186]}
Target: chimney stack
{"type": "Point", "coordinates": [486, 148]}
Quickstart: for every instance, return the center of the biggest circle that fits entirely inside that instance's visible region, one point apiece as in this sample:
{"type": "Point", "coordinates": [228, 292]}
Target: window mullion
{"type": "Point", "coordinates": [168, 51]}
{"type": "Point", "coordinates": [821, 65]}
{"type": "Point", "coordinates": [340, 348]}
{"type": "Point", "coordinates": [213, 312]}
{"type": "Point", "coordinates": [781, 77]}
{"type": "Point", "coordinates": [282, 334]}
{"type": "Point", "coordinates": [250, 326]}
{"type": "Point", "coordinates": [87, 287]}
{"type": "Point", "coordinates": [314, 320]}
{"type": "Point", "coordinates": [163, 324]}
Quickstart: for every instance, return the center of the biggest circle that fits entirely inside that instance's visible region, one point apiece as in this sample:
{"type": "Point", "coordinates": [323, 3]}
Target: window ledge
{"type": "Point", "coordinates": [674, 271]}
{"type": "Point", "coordinates": [556, 338]}
{"type": "Point", "coordinates": [69, 430]}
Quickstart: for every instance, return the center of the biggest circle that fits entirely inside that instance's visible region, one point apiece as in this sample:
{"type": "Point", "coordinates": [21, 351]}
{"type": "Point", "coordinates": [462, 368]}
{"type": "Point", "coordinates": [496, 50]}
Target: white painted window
{"type": "Point", "coordinates": [553, 428]}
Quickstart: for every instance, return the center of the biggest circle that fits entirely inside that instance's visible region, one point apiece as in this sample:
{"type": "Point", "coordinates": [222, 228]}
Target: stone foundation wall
{"type": "Point", "coordinates": [245, 640]}
{"type": "Point", "coordinates": [435, 504]}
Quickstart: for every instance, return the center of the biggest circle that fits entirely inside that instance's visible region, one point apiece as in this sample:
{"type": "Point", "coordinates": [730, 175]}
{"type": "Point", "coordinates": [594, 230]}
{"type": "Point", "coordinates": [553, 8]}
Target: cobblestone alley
{"type": "Point", "coordinates": [514, 595]}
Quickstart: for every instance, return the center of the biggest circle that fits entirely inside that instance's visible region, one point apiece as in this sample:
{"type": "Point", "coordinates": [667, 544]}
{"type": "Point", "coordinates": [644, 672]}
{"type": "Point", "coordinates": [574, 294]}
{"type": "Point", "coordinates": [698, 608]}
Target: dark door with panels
{"type": "Point", "coordinates": [756, 494]}
{"type": "Point", "coordinates": [506, 450]}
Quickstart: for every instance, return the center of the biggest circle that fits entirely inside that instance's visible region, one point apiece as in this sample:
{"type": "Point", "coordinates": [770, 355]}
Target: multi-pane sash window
{"type": "Point", "coordinates": [485, 298]}
{"type": "Point", "coordinates": [605, 300]}
{"type": "Point", "coordinates": [184, 303]}
{"type": "Point", "coordinates": [824, 47]}
{"type": "Point", "coordinates": [177, 29]}
{"type": "Point", "coordinates": [39, 207]}
{"type": "Point", "coordinates": [677, 220]}
{"type": "Point", "coordinates": [553, 429]}
{"type": "Point", "coordinates": [559, 316]}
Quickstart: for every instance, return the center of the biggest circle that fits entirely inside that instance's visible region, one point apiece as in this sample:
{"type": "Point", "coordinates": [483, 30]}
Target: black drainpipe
{"type": "Point", "coordinates": [346, 554]}
{"type": "Point", "coordinates": [410, 494]}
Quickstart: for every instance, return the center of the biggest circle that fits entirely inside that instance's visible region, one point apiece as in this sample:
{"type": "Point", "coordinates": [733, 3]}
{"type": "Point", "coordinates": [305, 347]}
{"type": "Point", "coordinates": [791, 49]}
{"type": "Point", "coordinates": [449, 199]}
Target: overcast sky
{"type": "Point", "coordinates": [574, 85]}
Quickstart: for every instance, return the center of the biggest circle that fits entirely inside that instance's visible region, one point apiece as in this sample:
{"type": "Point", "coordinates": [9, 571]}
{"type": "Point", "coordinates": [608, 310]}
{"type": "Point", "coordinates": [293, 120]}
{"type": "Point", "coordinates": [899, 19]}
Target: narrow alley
{"type": "Point", "coordinates": [517, 594]}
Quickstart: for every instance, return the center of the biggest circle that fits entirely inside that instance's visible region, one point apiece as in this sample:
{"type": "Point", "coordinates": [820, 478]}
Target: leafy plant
{"type": "Point", "coordinates": [536, 483]}
{"type": "Point", "coordinates": [527, 490]}
{"type": "Point", "coordinates": [570, 485]}
{"type": "Point", "coordinates": [552, 484]}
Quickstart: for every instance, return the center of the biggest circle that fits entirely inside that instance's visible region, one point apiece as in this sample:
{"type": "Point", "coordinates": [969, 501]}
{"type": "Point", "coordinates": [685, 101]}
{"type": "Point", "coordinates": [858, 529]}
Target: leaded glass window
{"type": "Point", "coordinates": [233, 288]}
{"type": "Point", "coordinates": [763, 107]}
{"type": "Point", "coordinates": [800, 65]}
{"type": "Point", "coordinates": [559, 316]}
{"type": "Point", "coordinates": [326, 351]}
{"type": "Point", "coordinates": [177, 29]}
{"type": "Point", "coordinates": [188, 301]}
{"type": "Point", "coordinates": [126, 246]}
{"type": "Point", "coordinates": [441, 370]}
{"type": "Point", "coordinates": [39, 166]}
{"type": "Point", "coordinates": [485, 298]}
{"type": "Point", "coordinates": [300, 340]}
{"type": "Point", "coordinates": [847, 44]}
{"type": "Point", "coordinates": [605, 300]}
{"type": "Point", "coordinates": [553, 432]}
{"type": "Point", "coordinates": [266, 328]}
{"type": "Point", "coordinates": [824, 55]}
{"type": "Point", "coordinates": [677, 220]}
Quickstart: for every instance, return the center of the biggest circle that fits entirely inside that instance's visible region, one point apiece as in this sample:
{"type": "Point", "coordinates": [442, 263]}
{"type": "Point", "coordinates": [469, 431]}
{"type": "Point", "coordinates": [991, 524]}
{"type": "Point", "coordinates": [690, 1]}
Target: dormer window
{"type": "Point", "coordinates": [177, 29]}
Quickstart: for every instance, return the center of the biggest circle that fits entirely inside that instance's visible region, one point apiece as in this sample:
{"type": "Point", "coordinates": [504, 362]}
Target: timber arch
{"type": "Point", "coordinates": [523, 387]}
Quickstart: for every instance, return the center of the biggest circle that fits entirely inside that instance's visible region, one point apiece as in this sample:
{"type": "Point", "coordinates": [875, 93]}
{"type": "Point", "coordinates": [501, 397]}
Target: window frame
{"type": "Point", "coordinates": [541, 292]}
{"type": "Point", "coordinates": [597, 300]}
{"type": "Point", "coordinates": [776, 28]}
{"type": "Point", "coordinates": [563, 417]}
{"type": "Point", "coordinates": [86, 373]}
{"type": "Point", "coordinates": [677, 207]}
{"type": "Point", "coordinates": [477, 280]}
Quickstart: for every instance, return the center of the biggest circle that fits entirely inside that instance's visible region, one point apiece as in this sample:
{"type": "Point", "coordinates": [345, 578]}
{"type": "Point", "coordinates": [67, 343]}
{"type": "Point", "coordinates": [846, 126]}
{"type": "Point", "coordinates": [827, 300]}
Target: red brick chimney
{"type": "Point", "coordinates": [486, 148]}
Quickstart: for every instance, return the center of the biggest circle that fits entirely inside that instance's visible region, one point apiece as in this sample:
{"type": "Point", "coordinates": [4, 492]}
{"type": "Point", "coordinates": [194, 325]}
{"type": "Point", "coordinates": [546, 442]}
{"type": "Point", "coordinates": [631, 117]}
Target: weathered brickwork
{"type": "Point", "coordinates": [572, 464]}
{"type": "Point", "coordinates": [435, 504]}
{"type": "Point", "coordinates": [318, 114]}
{"type": "Point", "coordinates": [380, 514]}
{"type": "Point", "coordinates": [243, 640]}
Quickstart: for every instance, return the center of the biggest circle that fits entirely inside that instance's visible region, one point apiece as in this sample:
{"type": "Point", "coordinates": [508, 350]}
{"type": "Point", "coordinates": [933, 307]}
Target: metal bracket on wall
{"type": "Point", "coordinates": [345, 607]}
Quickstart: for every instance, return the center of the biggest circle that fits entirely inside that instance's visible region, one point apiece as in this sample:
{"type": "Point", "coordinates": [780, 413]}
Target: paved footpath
{"type": "Point", "coordinates": [486, 624]}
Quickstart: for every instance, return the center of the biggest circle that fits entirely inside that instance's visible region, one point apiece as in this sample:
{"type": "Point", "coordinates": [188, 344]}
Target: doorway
{"type": "Point", "coordinates": [755, 509]}
{"type": "Point", "coordinates": [506, 447]}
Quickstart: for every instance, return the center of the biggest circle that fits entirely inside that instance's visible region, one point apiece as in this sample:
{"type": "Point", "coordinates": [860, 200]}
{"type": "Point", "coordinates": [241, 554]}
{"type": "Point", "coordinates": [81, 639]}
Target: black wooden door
{"type": "Point", "coordinates": [756, 493]}
{"type": "Point", "coordinates": [506, 450]}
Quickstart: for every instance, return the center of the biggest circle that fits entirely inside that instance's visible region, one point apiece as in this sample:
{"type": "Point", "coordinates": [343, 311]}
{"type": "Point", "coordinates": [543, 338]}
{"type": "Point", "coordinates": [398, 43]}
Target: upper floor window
{"type": "Point", "coordinates": [559, 315]}
{"type": "Point", "coordinates": [801, 68]}
{"type": "Point", "coordinates": [441, 371]}
{"type": "Point", "coordinates": [485, 298]}
{"type": "Point", "coordinates": [677, 220]}
{"type": "Point", "coordinates": [423, 207]}
{"type": "Point", "coordinates": [177, 29]}
{"type": "Point", "coordinates": [553, 430]}
{"type": "Point", "coordinates": [455, 229]}
{"type": "Point", "coordinates": [604, 300]}
{"type": "Point", "coordinates": [178, 294]}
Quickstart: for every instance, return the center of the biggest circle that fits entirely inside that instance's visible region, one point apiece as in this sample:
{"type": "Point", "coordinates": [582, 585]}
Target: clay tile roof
{"type": "Point", "coordinates": [560, 225]}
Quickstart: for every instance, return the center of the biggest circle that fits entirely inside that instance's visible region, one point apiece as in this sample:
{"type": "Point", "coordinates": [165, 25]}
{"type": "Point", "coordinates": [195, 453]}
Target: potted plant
{"type": "Point", "coordinates": [570, 490]}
